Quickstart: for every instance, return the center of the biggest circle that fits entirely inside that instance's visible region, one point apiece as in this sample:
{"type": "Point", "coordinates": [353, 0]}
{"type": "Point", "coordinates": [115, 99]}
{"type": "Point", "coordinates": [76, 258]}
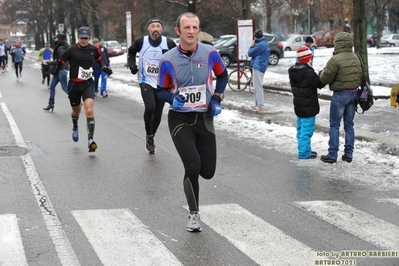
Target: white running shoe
{"type": "Point", "coordinates": [193, 224]}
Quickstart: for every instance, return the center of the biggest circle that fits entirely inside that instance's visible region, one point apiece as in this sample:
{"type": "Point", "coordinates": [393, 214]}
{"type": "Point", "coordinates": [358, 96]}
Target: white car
{"type": "Point", "coordinates": [295, 41]}
{"type": "Point", "coordinates": [390, 40]}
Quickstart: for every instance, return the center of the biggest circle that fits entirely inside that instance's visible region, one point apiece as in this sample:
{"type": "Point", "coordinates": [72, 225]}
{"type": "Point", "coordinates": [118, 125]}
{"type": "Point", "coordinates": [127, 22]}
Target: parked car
{"type": "Point", "coordinates": [390, 40]}
{"type": "Point", "coordinates": [282, 36]}
{"type": "Point", "coordinates": [328, 38]}
{"type": "Point", "coordinates": [318, 36]}
{"type": "Point", "coordinates": [114, 48]}
{"type": "Point", "coordinates": [228, 50]}
{"type": "Point", "coordinates": [296, 41]}
{"type": "Point", "coordinates": [370, 41]}
{"type": "Point", "coordinates": [124, 46]}
{"type": "Point", "coordinates": [222, 39]}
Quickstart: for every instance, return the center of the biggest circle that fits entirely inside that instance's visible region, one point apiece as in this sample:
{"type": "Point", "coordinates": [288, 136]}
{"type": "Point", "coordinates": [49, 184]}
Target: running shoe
{"type": "Point", "coordinates": [75, 134]}
{"type": "Point", "coordinates": [92, 145]}
{"type": "Point", "coordinates": [104, 94]}
{"type": "Point", "coordinates": [262, 111]}
{"type": "Point", "coordinates": [254, 108]}
{"type": "Point", "coordinates": [193, 224]}
{"type": "Point", "coordinates": [149, 144]}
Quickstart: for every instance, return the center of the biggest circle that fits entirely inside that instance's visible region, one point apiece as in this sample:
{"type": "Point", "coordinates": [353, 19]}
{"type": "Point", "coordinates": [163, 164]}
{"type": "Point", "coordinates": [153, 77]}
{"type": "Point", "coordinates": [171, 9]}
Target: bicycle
{"type": "Point", "coordinates": [240, 80]}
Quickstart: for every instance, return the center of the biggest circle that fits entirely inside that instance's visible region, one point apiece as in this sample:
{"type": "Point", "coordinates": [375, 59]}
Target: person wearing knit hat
{"type": "Point", "coordinates": [304, 83]}
{"type": "Point", "coordinates": [154, 20]}
{"type": "Point", "coordinates": [150, 49]}
{"type": "Point", "coordinates": [309, 44]}
{"type": "Point", "coordinates": [304, 55]}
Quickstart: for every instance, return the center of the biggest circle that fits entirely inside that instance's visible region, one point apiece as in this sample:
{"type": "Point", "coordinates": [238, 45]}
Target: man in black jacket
{"type": "Point", "coordinates": [61, 76]}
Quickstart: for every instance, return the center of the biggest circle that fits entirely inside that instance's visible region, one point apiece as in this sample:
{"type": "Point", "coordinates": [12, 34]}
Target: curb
{"type": "Point", "coordinates": [321, 96]}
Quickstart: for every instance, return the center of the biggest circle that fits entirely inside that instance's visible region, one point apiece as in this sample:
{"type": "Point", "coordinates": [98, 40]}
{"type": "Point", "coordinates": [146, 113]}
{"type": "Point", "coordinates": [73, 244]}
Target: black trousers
{"type": "Point", "coordinates": [194, 137]}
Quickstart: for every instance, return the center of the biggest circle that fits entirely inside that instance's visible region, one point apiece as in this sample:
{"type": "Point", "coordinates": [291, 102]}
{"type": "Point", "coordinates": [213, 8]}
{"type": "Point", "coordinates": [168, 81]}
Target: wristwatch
{"type": "Point", "coordinates": [221, 95]}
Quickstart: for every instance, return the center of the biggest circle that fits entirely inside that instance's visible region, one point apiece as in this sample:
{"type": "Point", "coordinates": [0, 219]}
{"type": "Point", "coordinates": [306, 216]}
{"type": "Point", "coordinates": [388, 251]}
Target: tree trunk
{"type": "Point", "coordinates": [269, 11]}
{"type": "Point", "coordinates": [360, 32]}
{"type": "Point", "coordinates": [246, 9]}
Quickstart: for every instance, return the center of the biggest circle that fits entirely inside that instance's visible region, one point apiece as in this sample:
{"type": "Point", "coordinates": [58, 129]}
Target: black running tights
{"type": "Point", "coordinates": [153, 108]}
{"type": "Point", "coordinates": [194, 137]}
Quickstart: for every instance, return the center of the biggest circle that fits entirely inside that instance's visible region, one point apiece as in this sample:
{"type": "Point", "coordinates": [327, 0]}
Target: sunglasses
{"type": "Point", "coordinates": [84, 38]}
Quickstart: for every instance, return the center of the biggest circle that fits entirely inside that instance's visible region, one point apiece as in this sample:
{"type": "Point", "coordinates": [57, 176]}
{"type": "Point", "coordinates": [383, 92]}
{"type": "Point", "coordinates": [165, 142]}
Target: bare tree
{"type": "Point", "coordinates": [360, 32]}
{"type": "Point", "coordinates": [379, 8]}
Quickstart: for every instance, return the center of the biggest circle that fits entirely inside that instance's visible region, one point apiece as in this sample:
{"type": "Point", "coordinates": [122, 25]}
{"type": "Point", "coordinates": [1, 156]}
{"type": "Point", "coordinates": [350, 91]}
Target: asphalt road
{"type": "Point", "coordinates": [121, 206]}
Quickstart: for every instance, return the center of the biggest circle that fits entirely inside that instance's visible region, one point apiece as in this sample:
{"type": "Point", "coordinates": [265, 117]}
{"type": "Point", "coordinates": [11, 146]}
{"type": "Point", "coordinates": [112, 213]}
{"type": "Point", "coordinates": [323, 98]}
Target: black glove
{"type": "Point", "coordinates": [59, 64]}
{"type": "Point", "coordinates": [107, 70]}
{"type": "Point", "coordinates": [134, 69]}
{"type": "Point", "coordinates": [52, 62]}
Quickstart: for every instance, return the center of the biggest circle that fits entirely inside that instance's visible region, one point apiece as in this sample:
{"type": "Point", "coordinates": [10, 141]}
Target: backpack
{"type": "Point", "coordinates": [364, 97]}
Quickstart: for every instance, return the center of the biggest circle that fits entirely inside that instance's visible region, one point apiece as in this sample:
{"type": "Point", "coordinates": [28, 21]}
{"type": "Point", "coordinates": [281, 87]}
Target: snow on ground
{"type": "Point", "coordinates": [372, 166]}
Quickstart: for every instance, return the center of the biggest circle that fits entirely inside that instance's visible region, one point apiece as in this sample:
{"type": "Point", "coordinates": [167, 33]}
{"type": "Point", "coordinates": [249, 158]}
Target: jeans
{"type": "Point", "coordinates": [60, 77]}
{"type": "Point", "coordinates": [343, 105]}
{"type": "Point", "coordinates": [96, 76]}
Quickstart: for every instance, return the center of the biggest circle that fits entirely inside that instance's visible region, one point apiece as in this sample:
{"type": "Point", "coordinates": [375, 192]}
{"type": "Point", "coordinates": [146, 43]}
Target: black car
{"type": "Point", "coordinates": [228, 50]}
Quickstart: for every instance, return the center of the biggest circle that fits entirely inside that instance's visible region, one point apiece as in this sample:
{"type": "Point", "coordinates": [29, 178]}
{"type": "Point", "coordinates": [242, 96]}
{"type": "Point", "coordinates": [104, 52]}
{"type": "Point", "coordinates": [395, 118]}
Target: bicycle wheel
{"type": "Point", "coordinates": [250, 83]}
{"type": "Point", "coordinates": [238, 76]}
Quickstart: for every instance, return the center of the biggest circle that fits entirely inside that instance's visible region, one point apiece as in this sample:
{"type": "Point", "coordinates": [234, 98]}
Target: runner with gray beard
{"type": "Point", "coordinates": [150, 49]}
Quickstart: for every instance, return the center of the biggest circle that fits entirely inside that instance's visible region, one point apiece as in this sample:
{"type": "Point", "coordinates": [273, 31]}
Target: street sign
{"type": "Point", "coordinates": [61, 27]}
{"type": "Point", "coordinates": [245, 30]}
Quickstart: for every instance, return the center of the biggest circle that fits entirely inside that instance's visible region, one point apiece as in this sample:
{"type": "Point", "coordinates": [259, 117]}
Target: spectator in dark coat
{"type": "Point", "coordinates": [97, 70]}
{"type": "Point", "coordinates": [304, 83]}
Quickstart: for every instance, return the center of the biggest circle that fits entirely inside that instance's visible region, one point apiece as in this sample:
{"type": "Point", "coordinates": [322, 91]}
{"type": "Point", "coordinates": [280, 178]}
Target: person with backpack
{"type": "Point", "coordinates": [61, 75]}
{"type": "Point", "coordinates": [343, 73]}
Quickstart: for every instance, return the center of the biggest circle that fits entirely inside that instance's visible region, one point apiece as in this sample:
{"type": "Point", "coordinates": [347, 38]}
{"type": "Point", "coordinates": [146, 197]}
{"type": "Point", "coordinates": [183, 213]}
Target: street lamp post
{"type": "Point", "coordinates": [309, 3]}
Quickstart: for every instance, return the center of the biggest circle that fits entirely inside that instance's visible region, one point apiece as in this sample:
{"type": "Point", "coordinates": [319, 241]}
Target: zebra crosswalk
{"type": "Point", "coordinates": [119, 237]}
{"type": "Point", "coordinates": [356, 222]}
{"type": "Point", "coordinates": [12, 250]}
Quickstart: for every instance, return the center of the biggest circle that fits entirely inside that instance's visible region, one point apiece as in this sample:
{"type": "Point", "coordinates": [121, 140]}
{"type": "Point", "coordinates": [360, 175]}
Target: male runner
{"type": "Point", "coordinates": [80, 57]}
{"type": "Point", "coordinates": [151, 47]}
{"type": "Point", "coordinates": [185, 82]}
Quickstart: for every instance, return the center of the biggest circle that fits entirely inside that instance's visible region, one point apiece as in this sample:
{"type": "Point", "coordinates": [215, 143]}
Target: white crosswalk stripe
{"type": "Point", "coordinates": [391, 200]}
{"type": "Point", "coordinates": [262, 242]}
{"type": "Point", "coordinates": [361, 224]}
{"type": "Point", "coordinates": [12, 251]}
{"type": "Point", "coordinates": [120, 238]}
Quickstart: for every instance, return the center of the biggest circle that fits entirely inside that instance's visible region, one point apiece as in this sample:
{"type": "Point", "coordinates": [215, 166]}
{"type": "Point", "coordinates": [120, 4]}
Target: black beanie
{"type": "Point", "coordinates": [309, 39]}
{"type": "Point", "coordinates": [60, 36]}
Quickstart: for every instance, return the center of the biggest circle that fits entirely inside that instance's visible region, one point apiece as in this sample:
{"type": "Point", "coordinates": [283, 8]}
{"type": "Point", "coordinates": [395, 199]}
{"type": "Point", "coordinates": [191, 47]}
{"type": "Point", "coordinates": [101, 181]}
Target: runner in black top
{"type": "Point", "coordinates": [80, 57]}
